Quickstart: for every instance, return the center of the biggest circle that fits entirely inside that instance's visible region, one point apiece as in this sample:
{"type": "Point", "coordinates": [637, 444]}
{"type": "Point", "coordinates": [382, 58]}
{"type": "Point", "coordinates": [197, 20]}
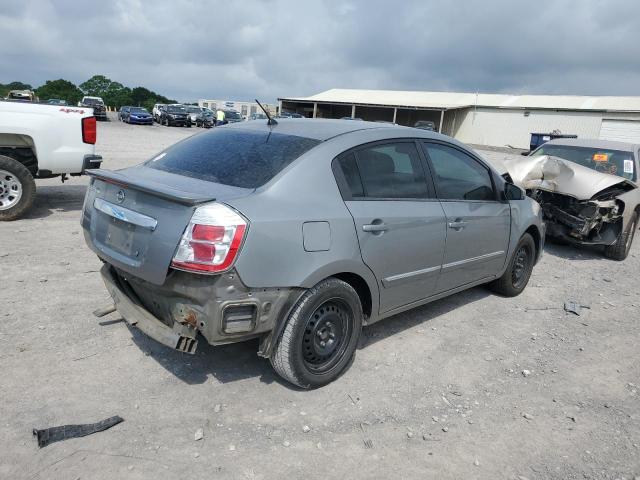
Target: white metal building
{"type": "Point", "coordinates": [483, 119]}
{"type": "Point", "coordinates": [246, 109]}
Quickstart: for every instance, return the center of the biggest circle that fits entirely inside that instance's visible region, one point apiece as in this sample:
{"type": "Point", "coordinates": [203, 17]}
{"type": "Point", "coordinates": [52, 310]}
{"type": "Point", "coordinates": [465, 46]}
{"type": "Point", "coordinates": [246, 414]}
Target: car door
{"type": "Point", "coordinates": [399, 222]}
{"type": "Point", "coordinates": [478, 223]}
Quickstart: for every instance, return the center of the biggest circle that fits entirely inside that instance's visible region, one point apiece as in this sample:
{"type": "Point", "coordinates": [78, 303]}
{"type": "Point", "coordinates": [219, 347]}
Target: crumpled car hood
{"type": "Point", "coordinates": [554, 174]}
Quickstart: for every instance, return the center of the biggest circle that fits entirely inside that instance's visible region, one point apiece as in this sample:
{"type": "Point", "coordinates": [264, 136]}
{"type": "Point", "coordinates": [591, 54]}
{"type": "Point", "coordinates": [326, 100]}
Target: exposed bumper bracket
{"type": "Point", "coordinates": [181, 337]}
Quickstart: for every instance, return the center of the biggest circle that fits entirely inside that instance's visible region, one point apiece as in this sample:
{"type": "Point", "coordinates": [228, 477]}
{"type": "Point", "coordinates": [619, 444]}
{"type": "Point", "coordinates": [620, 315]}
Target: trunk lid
{"type": "Point", "coordinates": [134, 218]}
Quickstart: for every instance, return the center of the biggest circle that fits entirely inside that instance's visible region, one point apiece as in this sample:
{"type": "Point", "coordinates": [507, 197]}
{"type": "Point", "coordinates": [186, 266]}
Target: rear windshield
{"type": "Point", "coordinates": [605, 160]}
{"type": "Point", "coordinates": [241, 158]}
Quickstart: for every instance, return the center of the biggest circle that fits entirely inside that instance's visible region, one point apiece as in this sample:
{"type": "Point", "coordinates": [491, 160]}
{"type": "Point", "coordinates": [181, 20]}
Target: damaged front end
{"type": "Point", "coordinates": [579, 205]}
{"type": "Point", "coordinates": [591, 222]}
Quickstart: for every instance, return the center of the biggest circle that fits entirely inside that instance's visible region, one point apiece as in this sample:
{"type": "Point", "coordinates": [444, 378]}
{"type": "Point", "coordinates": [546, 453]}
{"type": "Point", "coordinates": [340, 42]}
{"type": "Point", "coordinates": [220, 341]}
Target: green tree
{"type": "Point", "coordinates": [96, 86]}
{"type": "Point", "coordinates": [63, 89]}
{"type": "Point", "coordinates": [117, 95]}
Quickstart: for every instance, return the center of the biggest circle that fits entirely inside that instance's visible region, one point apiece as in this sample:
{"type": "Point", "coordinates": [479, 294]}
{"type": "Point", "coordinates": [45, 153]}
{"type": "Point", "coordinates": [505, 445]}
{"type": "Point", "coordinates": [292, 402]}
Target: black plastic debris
{"type": "Point", "coordinates": [56, 434]}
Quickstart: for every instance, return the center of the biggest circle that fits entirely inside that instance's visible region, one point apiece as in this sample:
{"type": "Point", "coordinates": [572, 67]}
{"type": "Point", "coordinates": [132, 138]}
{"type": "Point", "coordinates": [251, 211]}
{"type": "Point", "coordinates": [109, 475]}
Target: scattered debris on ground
{"type": "Point", "coordinates": [50, 435]}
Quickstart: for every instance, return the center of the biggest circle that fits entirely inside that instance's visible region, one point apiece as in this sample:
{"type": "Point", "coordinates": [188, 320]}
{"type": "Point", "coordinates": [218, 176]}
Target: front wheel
{"type": "Point", "coordinates": [320, 336]}
{"type": "Point", "coordinates": [517, 275]}
{"type": "Point", "coordinates": [620, 250]}
{"type": "Point", "coordinates": [17, 189]}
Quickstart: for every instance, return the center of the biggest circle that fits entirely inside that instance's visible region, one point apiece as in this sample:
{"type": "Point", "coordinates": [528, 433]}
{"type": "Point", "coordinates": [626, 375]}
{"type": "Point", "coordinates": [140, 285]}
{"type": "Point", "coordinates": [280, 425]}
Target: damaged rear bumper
{"type": "Point", "coordinates": [181, 338]}
{"type": "Point", "coordinates": [221, 308]}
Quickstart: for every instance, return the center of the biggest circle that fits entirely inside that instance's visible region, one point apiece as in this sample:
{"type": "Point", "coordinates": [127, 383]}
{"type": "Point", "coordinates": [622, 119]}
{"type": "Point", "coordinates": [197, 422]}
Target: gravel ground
{"type": "Point", "coordinates": [472, 386]}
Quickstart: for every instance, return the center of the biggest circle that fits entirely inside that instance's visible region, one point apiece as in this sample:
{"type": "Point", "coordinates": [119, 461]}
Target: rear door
{"type": "Point", "coordinates": [399, 223]}
{"type": "Point", "coordinates": [478, 224]}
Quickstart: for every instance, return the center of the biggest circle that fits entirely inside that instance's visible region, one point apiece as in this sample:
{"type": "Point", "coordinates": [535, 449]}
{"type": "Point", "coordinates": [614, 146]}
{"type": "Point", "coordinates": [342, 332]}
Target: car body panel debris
{"type": "Point", "coordinates": [64, 432]}
{"type": "Point", "coordinates": [573, 307]}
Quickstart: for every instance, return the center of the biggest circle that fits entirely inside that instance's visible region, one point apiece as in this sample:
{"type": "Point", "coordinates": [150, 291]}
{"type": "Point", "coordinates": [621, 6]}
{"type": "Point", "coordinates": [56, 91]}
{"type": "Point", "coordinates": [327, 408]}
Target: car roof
{"type": "Point", "coordinates": [594, 143]}
{"type": "Point", "coordinates": [318, 128]}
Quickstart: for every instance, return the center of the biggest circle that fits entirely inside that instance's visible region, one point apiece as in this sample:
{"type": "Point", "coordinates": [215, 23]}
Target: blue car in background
{"type": "Point", "coordinates": [138, 115]}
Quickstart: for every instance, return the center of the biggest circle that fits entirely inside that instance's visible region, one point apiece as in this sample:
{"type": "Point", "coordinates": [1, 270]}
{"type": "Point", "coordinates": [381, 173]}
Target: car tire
{"type": "Point", "coordinates": [620, 250]}
{"type": "Point", "coordinates": [17, 189]}
{"type": "Point", "coordinates": [515, 278]}
{"type": "Point", "coordinates": [320, 335]}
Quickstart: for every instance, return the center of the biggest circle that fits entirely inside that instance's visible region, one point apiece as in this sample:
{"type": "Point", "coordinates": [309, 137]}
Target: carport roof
{"type": "Point", "coordinates": [454, 100]}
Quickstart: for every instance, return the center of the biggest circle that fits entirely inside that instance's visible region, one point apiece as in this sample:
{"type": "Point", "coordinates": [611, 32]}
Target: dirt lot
{"type": "Point", "coordinates": [472, 386]}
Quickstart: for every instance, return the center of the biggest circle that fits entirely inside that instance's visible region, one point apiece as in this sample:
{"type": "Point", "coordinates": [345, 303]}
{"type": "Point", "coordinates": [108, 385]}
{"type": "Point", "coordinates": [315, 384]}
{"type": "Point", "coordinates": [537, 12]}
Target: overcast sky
{"type": "Point", "coordinates": [190, 49]}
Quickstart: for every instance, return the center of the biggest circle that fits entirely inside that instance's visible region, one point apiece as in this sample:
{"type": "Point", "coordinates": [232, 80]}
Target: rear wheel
{"type": "Point", "coordinates": [320, 336]}
{"type": "Point", "coordinates": [517, 274]}
{"type": "Point", "coordinates": [17, 189]}
{"type": "Point", "coordinates": [620, 249]}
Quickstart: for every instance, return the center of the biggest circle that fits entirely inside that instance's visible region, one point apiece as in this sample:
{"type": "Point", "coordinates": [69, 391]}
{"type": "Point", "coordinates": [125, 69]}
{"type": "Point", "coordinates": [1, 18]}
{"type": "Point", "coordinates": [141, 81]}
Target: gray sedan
{"type": "Point", "coordinates": [301, 232]}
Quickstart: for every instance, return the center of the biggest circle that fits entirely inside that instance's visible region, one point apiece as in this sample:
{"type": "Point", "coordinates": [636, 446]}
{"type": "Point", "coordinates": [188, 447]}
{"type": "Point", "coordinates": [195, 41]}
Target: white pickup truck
{"type": "Point", "coordinates": [41, 141]}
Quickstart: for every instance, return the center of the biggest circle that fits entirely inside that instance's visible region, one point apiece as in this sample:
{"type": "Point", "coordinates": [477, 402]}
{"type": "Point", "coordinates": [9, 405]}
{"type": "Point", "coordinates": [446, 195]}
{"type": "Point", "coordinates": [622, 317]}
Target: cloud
{"type": "Point", "coordinates": [190, 49]}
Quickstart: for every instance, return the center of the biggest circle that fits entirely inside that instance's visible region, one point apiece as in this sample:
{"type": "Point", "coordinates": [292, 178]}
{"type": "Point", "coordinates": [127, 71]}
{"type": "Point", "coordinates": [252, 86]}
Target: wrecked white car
{"type": "Point", "coordinates": [587, 189]}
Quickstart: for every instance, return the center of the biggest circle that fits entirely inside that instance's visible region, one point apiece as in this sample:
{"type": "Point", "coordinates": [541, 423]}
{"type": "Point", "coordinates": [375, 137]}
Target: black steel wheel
{"type": "Point", "coordinates": [320, 335]}
{"type": "Point", "coordinates": [326, 329]}
{"type": "Point", "coordinates": [521, 267]}
{"type": "Point", "coordinates": [516, 277]}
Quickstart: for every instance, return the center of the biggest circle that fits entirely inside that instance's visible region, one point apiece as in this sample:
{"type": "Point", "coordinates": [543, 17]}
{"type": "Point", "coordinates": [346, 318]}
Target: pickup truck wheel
{"type": "Point", "coordinates": [620, 250]}
{"type": "Point", "coordinates": [516, 276]}
{"type": "Point", "coordinates": [320, 336]}
{"type": "Point", "coordinates": [17, 189]}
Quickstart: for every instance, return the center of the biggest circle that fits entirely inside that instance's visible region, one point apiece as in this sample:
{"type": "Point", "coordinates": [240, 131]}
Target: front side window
{"type": "Point", "coordinates": [457, 175]}
{"type": "Point", "coordinates": [387, 171]}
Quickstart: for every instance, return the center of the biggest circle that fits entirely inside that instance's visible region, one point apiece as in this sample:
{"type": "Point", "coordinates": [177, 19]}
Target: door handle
{"type": "Point", "coordinates": [457, 224]}
{"type": "Point", "coordinates": [375, 227]}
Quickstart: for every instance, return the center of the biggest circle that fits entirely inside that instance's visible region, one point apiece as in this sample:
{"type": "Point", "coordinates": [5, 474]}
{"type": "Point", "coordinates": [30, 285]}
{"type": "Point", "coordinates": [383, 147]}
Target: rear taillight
{"type": "Point", "coordinates": [89, 130]}
{"type": "Point", "coordinates": [211, 241]}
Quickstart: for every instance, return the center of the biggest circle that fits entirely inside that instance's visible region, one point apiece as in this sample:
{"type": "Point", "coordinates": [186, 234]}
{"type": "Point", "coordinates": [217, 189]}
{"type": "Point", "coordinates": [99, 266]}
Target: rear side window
{"type": "Point", "coordinates": [240, 158]}
{"type": "Point", "coordinates": [387, 171]}
{"type": "Point", "coordinates": [459, 176]}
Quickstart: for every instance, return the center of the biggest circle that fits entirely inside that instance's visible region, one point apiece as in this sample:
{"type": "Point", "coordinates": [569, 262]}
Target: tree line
{"type": "Point", "coordinates": [114, 94]}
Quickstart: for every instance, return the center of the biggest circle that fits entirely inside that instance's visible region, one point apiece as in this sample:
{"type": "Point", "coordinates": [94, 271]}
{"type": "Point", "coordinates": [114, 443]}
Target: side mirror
{"type": "Point", "coordinates": [525, 154]}
{"type": "Point", "coordinates": [513, 192]}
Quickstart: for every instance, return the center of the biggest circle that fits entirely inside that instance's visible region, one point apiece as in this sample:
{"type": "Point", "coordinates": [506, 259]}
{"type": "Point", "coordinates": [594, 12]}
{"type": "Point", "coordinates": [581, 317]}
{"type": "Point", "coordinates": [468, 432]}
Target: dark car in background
{"type": "Point", "coordinates": [57, 101]}
{"type": "Point", "coordinates": [97, 104]}
{"type": "Point", "coordinates": [205, 119]}
{"type": "Point", "coordinates": [174, 116]}
{"type": "Point", "coordinates": [290, 115]}
{"type": "Point", "coordinates": [230, 116]}
{"type": "Point", "coordinates": [123, 112]}
{"type": "Point", "coordinates": [139, 116]}
{"type": "Point", "coordinates": [193, 111]}
{"type": "Point", "coordinates": [425, 125]}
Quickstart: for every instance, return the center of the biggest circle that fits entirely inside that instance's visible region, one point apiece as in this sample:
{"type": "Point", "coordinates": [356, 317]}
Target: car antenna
{"type": "Point", "coordinates": [271, 121]}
